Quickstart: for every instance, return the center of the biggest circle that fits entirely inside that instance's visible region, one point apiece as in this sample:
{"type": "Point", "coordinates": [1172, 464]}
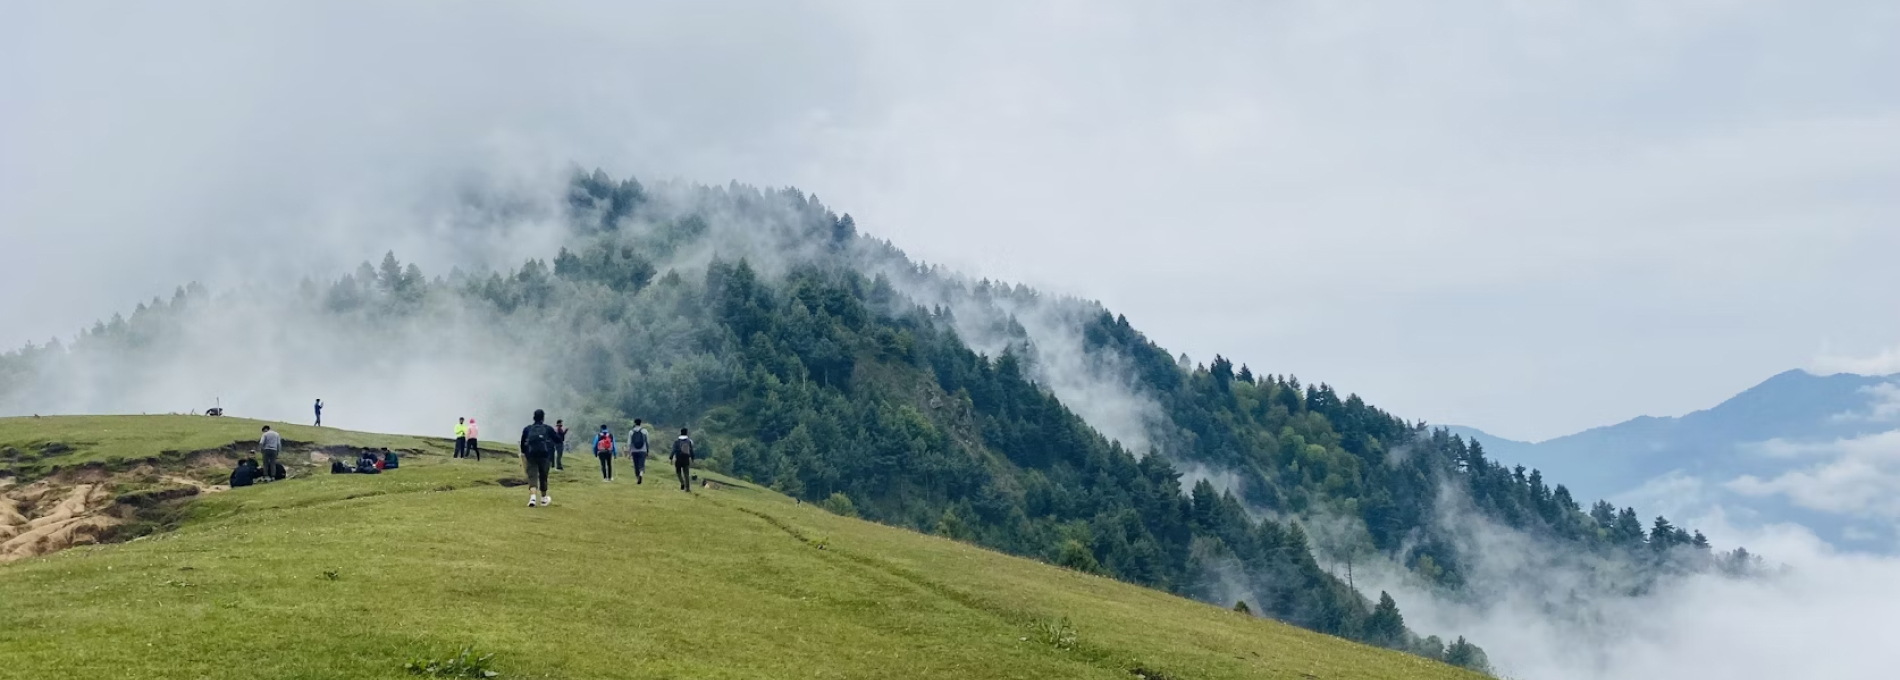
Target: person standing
{"type": "Point", "coordinates": [683, 460]}
{"type": "Point", "coordinates": [537, 452]}
{"type": "Point", "coordinates": [560, 444]}
{"type": "Point", "coordinates": [270, 445]}
{"type": "Point", "coordinates": [319, 413]}
{"type": "Point", "coordinates": [461, 437]}
{"type": "Point", "coordinates": [474, 440]}
{"type": "Point", "coordinates": [604, 450]}
{"type": "Point", "coordinates": [637, 450]}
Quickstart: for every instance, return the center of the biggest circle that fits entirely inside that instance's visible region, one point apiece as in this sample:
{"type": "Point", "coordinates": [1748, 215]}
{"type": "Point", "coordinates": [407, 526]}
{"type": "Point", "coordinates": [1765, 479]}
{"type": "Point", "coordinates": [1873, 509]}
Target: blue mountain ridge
{"type": "Point", "coordinates": [1715, 445]}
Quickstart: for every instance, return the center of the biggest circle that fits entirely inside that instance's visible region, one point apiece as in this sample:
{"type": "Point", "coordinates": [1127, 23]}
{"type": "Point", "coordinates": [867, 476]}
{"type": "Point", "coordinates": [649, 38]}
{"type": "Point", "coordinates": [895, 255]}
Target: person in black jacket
{"type": "Point", "coordinates": [245, 474]}
{"type": "Point", "coordinates": [537, 452]}
{"type": "Point", "coordinates": [683, 460]}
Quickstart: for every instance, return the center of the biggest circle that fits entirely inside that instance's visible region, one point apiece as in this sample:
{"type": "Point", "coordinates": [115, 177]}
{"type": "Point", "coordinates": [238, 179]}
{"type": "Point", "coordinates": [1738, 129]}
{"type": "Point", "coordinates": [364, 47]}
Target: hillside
{"type": "Point", "coordinates": [355, 575]}
{"type": "Point", "coordinates": [830, 367]}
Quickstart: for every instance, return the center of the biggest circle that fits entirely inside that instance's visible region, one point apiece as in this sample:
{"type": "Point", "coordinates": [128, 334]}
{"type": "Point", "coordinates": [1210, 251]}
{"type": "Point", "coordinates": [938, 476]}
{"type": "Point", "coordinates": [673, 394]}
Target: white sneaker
{"type": "Point", "coordinates": [547, 500]}
{"type": "Point", "coordinates": [531, 498]}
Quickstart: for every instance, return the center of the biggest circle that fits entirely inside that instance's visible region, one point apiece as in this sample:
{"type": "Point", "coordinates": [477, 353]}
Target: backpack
{"type": "Point", "coordinates": [604, 444]}
{"type": "Point", "coordinates": [638, 440]}
{"type": "Point", "coordinates": [540, 440]}
{"type": "Point", "coordinates": [683, 448]}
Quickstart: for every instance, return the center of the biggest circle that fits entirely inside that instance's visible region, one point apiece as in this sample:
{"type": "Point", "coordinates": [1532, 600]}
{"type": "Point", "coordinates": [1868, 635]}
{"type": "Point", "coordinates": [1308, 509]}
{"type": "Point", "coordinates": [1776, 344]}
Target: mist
{"type": "Point", "coordinates": [1554, 163]}
{"type": "Point", "coordinates": [1549, 612]}
{"type": "Point", "coordinates": [1356, 194]}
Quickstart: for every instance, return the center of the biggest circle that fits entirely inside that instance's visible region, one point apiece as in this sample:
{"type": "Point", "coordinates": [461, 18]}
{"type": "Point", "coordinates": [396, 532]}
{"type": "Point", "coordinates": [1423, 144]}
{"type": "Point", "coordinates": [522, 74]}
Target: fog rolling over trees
{"type": "Point", "coordinates": [827, 365]}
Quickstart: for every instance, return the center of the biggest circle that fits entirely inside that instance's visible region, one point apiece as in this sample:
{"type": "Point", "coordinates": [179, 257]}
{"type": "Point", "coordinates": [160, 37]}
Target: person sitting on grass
{"type": "Point", "coordinates": [366, 463]}
{"type": "Point", "coordinates": [245, 474]}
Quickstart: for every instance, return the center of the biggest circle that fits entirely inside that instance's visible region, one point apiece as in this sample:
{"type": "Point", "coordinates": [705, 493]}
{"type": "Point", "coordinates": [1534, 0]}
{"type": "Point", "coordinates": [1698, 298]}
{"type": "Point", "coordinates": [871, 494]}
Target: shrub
{"type": "Point", "coordinates": [839, 504]}
{"type": "Point", "coordinates": [463, 665]}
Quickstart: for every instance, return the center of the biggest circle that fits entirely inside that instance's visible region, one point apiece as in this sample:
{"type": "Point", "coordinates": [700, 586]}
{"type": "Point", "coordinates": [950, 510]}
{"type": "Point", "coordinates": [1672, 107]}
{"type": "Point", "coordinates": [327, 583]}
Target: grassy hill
{"type": "Point", "coordinates": [356, 575]}
{"type": "Point", "coordinates": [32, 447]}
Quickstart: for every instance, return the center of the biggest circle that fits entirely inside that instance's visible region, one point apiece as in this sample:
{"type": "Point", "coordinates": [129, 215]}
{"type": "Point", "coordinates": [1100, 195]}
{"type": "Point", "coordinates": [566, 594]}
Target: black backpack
{"type": "Point", "coordinates": [638, 441]}
{"type": "Point", "coordinates": [540, 439]}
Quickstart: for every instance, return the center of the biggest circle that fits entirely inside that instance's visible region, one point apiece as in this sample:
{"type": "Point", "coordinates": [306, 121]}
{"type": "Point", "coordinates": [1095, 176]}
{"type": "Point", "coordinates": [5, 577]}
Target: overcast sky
{"type": "Point", "coordinates": [1530, 217]}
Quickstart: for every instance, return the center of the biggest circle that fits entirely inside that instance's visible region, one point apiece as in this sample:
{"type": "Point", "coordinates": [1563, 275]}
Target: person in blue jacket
{"type": "Point", "coordinates": [604, 449]}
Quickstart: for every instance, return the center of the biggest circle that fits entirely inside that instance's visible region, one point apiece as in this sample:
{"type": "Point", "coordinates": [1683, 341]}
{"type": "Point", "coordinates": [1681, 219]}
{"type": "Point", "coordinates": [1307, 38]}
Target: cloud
{"type": "Point", "coordinates": [1547, 616]}
{"type": "Point", "coordinates": [1858, 476]}
{"type": "Point", "coordinates": [1635, 186]}
{"type": "Point", "coordinates": [1883, 405]}
{"type": "Point", "coordinates": [1886, 361]}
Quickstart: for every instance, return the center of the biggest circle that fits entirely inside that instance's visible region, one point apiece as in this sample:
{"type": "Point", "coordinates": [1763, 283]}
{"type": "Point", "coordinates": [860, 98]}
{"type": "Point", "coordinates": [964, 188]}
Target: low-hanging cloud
{"type": "Point", "coordinates": [1490, 161]}
{"type": "Point", "coordinates": [1856, 477]}
{"type": "Point", "coordinates": [1487, 161]}
{"type": "Point", "coordinates": [1548, 612]}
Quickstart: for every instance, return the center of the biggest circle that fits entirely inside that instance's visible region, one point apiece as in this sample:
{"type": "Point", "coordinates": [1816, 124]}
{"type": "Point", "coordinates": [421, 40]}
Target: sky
{"type": "Point", "coordinates": [1529, 217]}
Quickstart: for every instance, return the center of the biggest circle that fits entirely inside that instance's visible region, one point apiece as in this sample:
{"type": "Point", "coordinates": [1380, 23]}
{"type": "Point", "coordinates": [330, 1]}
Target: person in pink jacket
{"type": "Point", "coordinates": [474, 439]}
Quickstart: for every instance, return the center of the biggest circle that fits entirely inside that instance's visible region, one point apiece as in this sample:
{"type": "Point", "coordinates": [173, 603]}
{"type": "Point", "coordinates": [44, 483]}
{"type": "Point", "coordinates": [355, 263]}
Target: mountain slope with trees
{"type": "Point", "coordinates": [830, 367]}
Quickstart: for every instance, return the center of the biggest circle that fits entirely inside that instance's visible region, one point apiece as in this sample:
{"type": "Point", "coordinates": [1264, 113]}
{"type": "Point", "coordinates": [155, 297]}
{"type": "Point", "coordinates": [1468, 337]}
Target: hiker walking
{"type": "Point", "coordinates": [560, 444]}
{"type": "Point", "coordinates": [683, 460]}
{"type": "Point", "coordinates": [474, 440]}
{"type": "Point", "coordinates": [319, 413]}
{"type": "Point", "coordinates": [537, 451]}
{"type": "Point", "coordinates": [604, 449]}
{"type": "Point", "coordinates": [637, 450]}
{"type": "Point", "coordinates": [461, 437]}
{"type": "Point", "coordinates": [270, 445]}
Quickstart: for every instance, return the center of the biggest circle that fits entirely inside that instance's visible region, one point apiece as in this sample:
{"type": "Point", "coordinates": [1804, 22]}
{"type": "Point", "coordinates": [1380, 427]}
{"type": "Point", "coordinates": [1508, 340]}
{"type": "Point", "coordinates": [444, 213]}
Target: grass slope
{"type": "Point", "coordinates": [351, 576]}
{"type": "Point", "coordinates": [33, 446]}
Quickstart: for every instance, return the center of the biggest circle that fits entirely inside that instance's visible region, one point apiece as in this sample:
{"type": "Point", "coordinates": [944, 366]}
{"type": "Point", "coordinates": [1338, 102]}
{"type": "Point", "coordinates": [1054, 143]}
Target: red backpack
{"type": "Point", "coordinates": [605, 444]}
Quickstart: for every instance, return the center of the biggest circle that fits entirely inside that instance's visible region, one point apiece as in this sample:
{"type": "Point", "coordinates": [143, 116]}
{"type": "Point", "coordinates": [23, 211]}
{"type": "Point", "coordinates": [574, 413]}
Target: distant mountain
{"type": "Point", "coordinates": [1793, 422]}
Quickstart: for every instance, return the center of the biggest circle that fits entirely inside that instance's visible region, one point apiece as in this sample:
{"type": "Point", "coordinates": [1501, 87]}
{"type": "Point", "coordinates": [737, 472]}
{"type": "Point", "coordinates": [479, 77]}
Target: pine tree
{"type": "Point", "coordinates": [1662, 535]}
{"type": "Point", "coordinates": [1386, 627]}
{"type": "Point", "coordinates": [1464, 654]}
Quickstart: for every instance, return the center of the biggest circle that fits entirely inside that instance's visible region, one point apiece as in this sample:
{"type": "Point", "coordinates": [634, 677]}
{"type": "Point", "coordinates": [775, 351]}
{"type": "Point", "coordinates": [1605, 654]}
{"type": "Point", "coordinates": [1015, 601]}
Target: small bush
{"type": "Point", "coordinates": [1076, 556]}
{"type": "Point", "coordinates": [463, 665]}
{"type": "Point", "coordinates": [1059, 634]}
{"type": "Point", "coordinates": [839, 504]}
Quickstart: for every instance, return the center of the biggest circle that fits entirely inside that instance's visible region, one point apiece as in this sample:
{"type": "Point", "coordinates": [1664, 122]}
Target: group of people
{"type": "Point", "coordinates": [249, 471]}
{"type": "Point", "coordinates": [270, 447]}
{"type": "Point", "coordinates": [543, 446]}
{"type": "Point", "coordinates": [369, 462]}
{"type": "Point", "coordinates": [607, 449]}
{"type": "Point", "coordinates": [468, 439]}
